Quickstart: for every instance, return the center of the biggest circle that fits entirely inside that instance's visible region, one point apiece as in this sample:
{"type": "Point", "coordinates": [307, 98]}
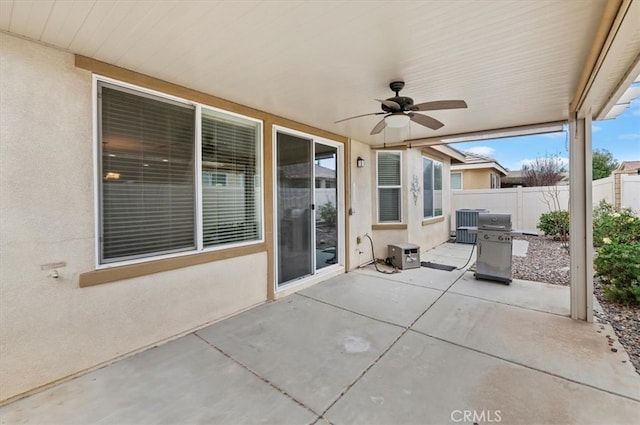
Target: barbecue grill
{"type": "Point", "coordinates": [494, 247]}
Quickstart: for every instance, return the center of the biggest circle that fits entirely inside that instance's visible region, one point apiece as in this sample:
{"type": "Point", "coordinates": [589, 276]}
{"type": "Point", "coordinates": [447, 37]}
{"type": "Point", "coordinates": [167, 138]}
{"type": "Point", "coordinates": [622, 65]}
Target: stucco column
{"type": "Point", "coordinates": [581, 220]}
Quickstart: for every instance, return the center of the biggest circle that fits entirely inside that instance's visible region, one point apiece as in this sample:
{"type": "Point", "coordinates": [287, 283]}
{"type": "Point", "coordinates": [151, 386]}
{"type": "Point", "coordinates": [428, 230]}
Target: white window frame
{"type": "Point", "coordinates": [197, 170]}
{"type": "Point", "coordinates": [461, 180]}
{"type": "Point", "coordinates": [495, 181]}
{"type": "Point", "coordinates": [433, 198]}
{"type": "Point", "coordinates": [399, 187]}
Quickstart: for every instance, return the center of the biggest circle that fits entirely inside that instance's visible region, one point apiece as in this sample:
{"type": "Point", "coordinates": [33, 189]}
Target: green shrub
{"type": "Point", "coordinates": [618, 266]}
{"type": "Point", "coordinates": [328, 214]}
{"type": "Point", "coordinates": [618, 226]}
{"type": "Point", "coordinates": [555, 224]}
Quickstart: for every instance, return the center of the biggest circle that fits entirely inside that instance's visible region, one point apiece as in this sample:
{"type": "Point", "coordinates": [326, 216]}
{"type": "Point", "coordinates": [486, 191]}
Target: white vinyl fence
{"type": "Point", "coordinates": [526, 204]}
{"type": "Point", "coordinates": [630, 191]}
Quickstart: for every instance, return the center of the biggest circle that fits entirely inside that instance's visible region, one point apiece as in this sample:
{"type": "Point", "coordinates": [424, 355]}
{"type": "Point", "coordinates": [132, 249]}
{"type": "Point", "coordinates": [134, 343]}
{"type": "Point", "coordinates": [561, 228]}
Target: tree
{"type": "Point", "coordinates": [603, 163]}
{"type": "Point", "coordinates": [543, 171]}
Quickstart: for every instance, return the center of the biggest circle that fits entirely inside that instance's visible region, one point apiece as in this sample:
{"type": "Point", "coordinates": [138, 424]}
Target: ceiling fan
{"type": "Point", "coordinates": [399, 110]}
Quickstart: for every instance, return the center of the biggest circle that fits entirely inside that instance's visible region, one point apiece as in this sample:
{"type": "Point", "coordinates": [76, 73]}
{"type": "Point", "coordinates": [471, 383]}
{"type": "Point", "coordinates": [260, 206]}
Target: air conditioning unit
{"type": "Point", "coordinates": [404, 255]}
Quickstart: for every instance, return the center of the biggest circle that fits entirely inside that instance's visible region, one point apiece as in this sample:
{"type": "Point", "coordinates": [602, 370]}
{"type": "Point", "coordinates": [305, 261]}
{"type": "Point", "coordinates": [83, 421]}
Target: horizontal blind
{"type": "Point", "coordinates": [230, 179]}
{"type": "Point", "coordinates": [389, 186]}
{"type": "Point", "coordinates": [456, 181]}
{"type": "Point", "coordinates": [389, 204]}
{"type": "Point", "coordinates": [388, 168]}
{"type": "Point", "coordinates": [147, 182]}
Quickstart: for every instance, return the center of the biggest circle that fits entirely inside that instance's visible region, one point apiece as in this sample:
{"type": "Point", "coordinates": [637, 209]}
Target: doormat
{"type": "Point", "coordinates": [437, 266]}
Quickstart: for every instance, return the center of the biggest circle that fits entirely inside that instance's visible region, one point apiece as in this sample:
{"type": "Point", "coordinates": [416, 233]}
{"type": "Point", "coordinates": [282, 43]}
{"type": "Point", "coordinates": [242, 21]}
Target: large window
{"type": "Point", "coordinates": [432, 187]}
{"type": "Point", "coordinates": [149, 204]}
{"type": "Point", "coordinates": [389, 186]}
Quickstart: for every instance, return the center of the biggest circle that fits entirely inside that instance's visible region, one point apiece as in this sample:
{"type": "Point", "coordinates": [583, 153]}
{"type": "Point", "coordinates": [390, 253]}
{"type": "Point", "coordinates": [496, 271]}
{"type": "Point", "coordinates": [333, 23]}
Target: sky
{"type": "Point", "coordinates": [620, 136]}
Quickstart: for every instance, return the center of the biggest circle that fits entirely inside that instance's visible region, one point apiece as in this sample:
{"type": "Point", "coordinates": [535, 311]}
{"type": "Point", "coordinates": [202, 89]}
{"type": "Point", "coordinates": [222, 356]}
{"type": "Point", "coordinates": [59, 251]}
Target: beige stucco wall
{"type": "Point", "coordinates": [361, 195]}
{"type": "Point", "coordinates": [430, 232]}
{"type": "Point", "coordinates": [476, 179]}
{"type": "Point", "coordinates": [50, 328]}
{"type": "Point", "coordinates": [426, 235]}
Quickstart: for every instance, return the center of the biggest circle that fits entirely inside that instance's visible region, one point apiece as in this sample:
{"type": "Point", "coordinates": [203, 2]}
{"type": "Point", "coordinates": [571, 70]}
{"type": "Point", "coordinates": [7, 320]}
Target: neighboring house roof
{"type": "Point", "coordinates": [476, 161]}
{"type": "Point", "coordinates": [516, 178]}
{"type": "Point", "coordinates": [629, 166]}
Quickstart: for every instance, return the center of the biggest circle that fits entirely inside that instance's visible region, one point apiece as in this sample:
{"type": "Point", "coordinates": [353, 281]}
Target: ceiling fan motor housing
{"type": "Point", "coordinates": [403, 101]}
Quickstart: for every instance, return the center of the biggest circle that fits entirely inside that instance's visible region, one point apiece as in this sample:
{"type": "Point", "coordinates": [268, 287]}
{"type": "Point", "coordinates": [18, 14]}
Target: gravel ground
{"type": "Point", "coordinates": [547, 261]}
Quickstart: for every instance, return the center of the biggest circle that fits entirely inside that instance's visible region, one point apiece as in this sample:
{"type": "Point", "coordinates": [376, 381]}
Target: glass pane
{"type": "Point", "coordinates": [326, 165]}
{"type": "Point", "coordinates": [437, 188]}
{"type": "Point", "coordinates": [428, 183]}
{"type": "Point", "coordinates": [294, 198]}
{"type": "Point", "coordinates": [389, 205]}
{"type": "Point", "coordinates": [456, 181]}
{"type": "Point", "coordinates": [147, 185]}
{"type": "Point", "coordinates": [230, 170]}
{"type": "Point", "coordinates": [388, 168]}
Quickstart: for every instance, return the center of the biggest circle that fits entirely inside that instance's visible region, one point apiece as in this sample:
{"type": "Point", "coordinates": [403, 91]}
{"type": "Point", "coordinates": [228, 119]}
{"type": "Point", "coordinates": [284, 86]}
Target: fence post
{"type": "Point", "coordinates": [519, 208]}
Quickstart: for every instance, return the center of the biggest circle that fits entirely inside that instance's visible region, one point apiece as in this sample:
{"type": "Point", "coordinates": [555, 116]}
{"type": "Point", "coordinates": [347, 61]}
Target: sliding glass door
{"type": "Point", "coordinates": [307, 207]}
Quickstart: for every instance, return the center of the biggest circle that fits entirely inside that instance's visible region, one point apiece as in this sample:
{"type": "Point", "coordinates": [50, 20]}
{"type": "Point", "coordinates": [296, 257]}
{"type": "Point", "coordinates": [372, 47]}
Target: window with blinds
{"type": "Point", "coordinates": [230, 171]}
{"type": "Point", "coordinates": [456, 181]}
{"type": "Point", "coordinates": [431, 187]}
{"type": "Point", "coordinates": [147, 181]}
{"type": "Point", "coordinates": [389, 186]}
{"type": "Point", "coordinates": [148, 167]}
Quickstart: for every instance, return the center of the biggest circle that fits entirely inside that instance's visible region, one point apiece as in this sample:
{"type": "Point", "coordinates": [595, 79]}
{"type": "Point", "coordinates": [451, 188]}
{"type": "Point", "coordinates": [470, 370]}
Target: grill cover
{"type": "Point", "coordinates": [491, 221]}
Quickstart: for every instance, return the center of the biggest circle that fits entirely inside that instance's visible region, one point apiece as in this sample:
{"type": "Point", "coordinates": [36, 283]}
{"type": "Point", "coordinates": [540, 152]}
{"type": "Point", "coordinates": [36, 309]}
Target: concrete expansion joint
{"type": "Point", "coordinates": [262, 378]}
{"type": "Point", "coordinates": [508, 304]}
{"type": "Point", "coordinates": [351, 311]}
{"type": "Point", "coordinates": [393, 343]}
{"type": "Point", "coordinates": [564, 378]}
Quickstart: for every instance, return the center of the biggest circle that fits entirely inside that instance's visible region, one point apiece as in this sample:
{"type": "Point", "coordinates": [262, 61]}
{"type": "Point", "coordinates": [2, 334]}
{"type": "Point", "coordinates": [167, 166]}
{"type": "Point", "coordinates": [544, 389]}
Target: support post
{"type": "Point", "coordinates": [581, 217]}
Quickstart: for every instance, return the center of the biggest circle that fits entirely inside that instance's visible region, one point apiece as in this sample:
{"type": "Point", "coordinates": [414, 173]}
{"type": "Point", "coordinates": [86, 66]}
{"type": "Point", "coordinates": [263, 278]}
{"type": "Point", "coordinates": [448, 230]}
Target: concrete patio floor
{"type": "Point", "coordinates": [422, 346]}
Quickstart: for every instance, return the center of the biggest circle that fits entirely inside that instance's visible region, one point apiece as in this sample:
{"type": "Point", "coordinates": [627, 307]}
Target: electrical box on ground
{"type": "Point", "coordinates": [404, 255]}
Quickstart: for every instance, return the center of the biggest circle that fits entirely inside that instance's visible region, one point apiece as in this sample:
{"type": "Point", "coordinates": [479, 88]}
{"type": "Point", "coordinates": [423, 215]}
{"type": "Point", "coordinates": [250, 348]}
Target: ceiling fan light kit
{"type": "Point", "coordinates": [397, 120]}
{"type": "Point", "coordinates": [399, 110]}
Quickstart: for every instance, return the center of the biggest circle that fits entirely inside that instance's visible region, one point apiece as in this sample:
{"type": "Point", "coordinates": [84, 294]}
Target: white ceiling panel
{"type": "Point", "coordinates": [513, 62]}
{"type": "Point", "coordinates": [65, 20]}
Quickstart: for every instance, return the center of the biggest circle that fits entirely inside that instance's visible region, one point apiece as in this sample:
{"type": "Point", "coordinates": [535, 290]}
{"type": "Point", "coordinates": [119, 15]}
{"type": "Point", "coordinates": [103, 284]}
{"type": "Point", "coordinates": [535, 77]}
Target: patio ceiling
{"type": "Point", "coordinates": [514, 62]}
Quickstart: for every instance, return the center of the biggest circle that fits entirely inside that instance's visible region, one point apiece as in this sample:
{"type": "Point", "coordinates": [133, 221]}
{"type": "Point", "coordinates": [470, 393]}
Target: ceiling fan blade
{"type": "Point", "coordinates": [426, 120]}
{"type": "Point", "coordinates": [390, 104]}
{"type": "Point", "coordinates": [379, 127]}
{"type": "Point", "coordinates": [358, 116]}
{"type": "Point", "coordinates": [438, 105]}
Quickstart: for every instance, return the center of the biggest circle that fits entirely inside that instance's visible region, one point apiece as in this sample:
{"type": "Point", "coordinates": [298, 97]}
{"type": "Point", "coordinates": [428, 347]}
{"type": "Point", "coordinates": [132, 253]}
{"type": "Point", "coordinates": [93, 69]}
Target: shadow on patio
{"type": "Point", "coordinates": [422, 346]}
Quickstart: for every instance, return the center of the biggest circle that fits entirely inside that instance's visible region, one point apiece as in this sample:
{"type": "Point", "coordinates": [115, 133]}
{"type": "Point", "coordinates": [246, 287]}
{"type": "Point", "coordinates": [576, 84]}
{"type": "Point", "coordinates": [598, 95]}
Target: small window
{"type": "Point", "coordinates": [456, 181]}
{"type": "Point", "coordinates": [432, 187]}
{"type": "Point", "coordinates": [495, 181]}
{"type": "Point", "coordinates": [389, 187]}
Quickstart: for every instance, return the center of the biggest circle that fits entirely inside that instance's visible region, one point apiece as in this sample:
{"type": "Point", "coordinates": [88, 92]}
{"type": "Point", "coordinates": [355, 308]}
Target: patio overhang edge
{"type": "Point", "coordinates": [498, 133]}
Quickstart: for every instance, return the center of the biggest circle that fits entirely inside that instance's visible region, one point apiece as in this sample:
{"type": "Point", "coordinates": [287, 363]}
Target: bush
{"type": "Point", "coordinates": [555, 224]}
{"type": "Point", "coordinates": [617, 233]}
{"type": "Point", "coordinates": [328, 214]}
{"type": "Point", "coordinates": [618, 226]}
{"type": "Point", "coordinates": [618, 266]}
